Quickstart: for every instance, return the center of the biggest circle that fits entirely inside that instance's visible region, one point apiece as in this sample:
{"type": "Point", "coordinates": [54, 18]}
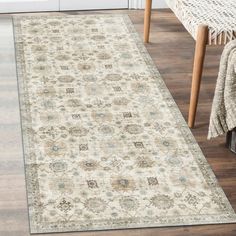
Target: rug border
{"type": "Point", "coordinates": [31, 172]}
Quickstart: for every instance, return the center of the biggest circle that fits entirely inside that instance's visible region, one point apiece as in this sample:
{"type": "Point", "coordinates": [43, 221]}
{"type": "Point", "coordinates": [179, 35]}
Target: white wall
{"type": "Point", "coordinates": [7, 6]}
{"type": "Point", "coordinates": [159, 4]}
{"type": "Point", "coordinates": [140, 4]}
{"type": "Point", "coordinates": [54, 5]}
{"type": "Point", "coordinates": [92, 4]}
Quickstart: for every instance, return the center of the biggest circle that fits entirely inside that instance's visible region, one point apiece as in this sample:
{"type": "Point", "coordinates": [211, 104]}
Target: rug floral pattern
{"type": "Point", "coordinates": [105, 145]}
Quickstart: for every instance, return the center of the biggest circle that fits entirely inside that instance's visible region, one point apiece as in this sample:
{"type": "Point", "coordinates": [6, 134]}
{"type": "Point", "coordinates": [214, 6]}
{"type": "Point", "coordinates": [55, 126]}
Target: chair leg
{"type": "Point", "coordinates": [147, 19]}
{"type": "Point", "coordinates": [200, 50]}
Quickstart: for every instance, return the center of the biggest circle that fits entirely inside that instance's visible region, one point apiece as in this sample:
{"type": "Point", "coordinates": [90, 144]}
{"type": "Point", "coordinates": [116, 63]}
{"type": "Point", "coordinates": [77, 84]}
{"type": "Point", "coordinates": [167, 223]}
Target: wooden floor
{"type": "Point", "coordinates": [172, 50]}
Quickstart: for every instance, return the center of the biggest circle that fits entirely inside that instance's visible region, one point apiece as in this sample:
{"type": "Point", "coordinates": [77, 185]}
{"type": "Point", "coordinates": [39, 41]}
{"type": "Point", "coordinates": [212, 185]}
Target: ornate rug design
{"type": "Point", "coordinates": [105, 145]}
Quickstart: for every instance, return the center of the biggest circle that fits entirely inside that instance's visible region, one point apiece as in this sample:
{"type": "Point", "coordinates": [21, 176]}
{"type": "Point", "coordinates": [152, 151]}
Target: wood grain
{"type": "Point", "coordinates": [147, 20]}
{"type": "Point", "coordinates": [200, 50]}
{"type": "Point", "coordinates": [172, 49]}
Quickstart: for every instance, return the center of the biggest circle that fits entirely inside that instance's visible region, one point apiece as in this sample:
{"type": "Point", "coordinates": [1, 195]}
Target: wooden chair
{"type": "Point", "coordinates": [210, 22]}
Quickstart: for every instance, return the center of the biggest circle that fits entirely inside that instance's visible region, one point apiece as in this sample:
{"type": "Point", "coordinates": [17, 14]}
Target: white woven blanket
{"type": "Point", "coordinates": [223, 114]}
{"type": "Point", "coordinates": [218, 15]}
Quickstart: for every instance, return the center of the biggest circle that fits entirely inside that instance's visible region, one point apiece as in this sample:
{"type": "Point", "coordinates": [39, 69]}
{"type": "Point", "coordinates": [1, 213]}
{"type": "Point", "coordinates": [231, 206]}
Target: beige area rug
{"type": "Point", "coordinates": [105, 145]}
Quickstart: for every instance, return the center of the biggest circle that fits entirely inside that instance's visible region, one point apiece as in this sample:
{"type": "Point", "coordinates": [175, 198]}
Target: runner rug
{"type": "Point", "coordinates": [105, 145]}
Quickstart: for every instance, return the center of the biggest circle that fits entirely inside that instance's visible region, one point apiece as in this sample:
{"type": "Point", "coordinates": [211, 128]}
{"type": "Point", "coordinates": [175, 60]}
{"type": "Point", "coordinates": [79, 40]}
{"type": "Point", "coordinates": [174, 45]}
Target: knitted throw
{"type": "Point", "coordinates": [223, 114]}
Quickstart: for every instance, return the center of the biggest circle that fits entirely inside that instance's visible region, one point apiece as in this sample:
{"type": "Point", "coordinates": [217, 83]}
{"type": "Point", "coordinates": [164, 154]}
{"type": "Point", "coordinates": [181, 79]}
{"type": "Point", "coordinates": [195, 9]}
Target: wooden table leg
{"type": "Point", "coordinates": [147, 19]}
{"type": "Point", "coordinates": [200, 51]}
